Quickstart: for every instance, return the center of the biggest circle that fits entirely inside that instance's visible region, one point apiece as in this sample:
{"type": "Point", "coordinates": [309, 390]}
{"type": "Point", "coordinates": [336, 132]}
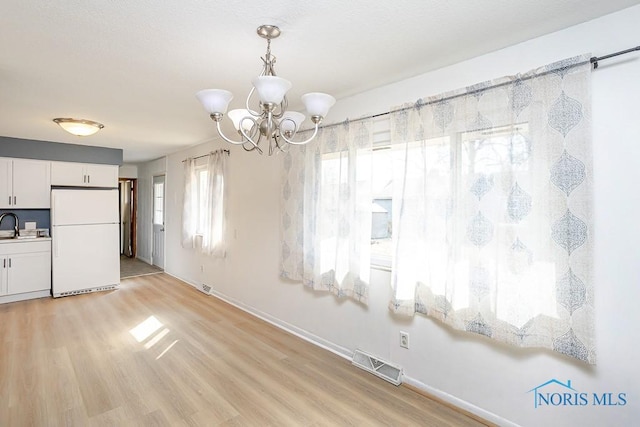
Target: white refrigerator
{"type": "Point", "coordinates": [85, 229]}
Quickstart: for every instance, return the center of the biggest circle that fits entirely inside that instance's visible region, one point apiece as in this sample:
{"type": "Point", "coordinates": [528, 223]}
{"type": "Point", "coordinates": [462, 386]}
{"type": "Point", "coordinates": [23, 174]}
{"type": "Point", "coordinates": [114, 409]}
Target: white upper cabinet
{"type": "Point", "coordinates": [83, 175]}
{"type": "Point", "coordinates": [24, 184]}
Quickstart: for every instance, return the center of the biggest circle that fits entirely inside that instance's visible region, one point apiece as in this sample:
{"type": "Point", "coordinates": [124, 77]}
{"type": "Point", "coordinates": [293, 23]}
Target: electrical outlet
{"type": "Point", "coordinates": [404, 339]}
{"type": "Point", "coordinates": [202, 268]}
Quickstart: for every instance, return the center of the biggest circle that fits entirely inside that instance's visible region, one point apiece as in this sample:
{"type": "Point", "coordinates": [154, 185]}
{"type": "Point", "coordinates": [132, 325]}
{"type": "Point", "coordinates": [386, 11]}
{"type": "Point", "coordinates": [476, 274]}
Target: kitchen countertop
{"type": "Point", "coordinates": [6, 236]}
{"type": "Point", "coordinates": [23, 240]}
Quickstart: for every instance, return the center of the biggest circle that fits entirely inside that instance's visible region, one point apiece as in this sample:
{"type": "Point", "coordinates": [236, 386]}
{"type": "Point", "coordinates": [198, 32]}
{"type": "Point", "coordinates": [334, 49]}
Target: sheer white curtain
{"type": "Point", "coordinates": [215, 200]}
{"type": "Point", "coordinates": [326, 215]}
{"type": "Point", "coordinates": [190, 204]}
{"type": "Point", "coordinates": [204, 204]}
{"type": "Point", "coordinates": [492, 205]}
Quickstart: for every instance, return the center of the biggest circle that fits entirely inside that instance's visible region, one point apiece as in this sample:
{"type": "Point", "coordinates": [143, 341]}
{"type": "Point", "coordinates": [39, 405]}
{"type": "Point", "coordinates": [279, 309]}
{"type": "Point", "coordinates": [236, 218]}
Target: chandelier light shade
{"type": "Point", "coordinates": [272, 122]}
{"type": "Point", "coordinates": [318, 104]}
{"type": "Point", "coordinates": [271, 89]}
{"type": "Point", "coordinates": [79, 127]}
{"type": "Point", "coordinates": [215, 101]}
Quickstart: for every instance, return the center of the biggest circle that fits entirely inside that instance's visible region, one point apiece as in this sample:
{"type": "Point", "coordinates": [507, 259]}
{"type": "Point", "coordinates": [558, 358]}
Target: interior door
{"type": "Point", "coordinates": [157, 253]}
{"type": "Point", "coordinates": [126, 218]}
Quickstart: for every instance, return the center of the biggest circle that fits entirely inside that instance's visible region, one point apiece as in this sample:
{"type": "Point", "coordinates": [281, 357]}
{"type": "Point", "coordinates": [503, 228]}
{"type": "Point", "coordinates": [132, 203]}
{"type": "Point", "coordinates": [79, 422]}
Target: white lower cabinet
{"type": "Point", "coordinates": [25, 267]}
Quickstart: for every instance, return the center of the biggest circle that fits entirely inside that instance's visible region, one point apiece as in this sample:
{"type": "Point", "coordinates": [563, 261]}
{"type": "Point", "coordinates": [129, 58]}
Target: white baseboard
{"type": "Point", "coordinates": [25, 296]}
{"type": "Point", "coordinates": [348, 354]}
{"type": "Point", "coordinates": [458, 403]}
{"type": "Point", "coordinates": [300, 333]}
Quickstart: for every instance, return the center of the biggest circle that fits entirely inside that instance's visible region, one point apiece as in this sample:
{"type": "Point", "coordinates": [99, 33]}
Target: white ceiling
{"type": "Point", "coordinates": [136, 65]}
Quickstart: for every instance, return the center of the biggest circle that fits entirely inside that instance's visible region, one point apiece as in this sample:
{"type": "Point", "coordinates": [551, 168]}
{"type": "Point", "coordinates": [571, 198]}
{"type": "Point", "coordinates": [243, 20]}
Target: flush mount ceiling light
{"type": "Point", "coordinates": [272, 121]}
{"type": "Point", "coordinates": [79, 127]}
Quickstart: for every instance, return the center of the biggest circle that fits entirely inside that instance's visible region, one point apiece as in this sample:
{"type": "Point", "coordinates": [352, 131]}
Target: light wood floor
{"type": "Point", "coordinates": [75, 361]}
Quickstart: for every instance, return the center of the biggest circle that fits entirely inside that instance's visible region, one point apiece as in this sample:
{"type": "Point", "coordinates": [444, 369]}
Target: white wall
{"type": "Point", "coordinates": [128, 171]}
{"type": "Point", "coordinates": [488, 378]}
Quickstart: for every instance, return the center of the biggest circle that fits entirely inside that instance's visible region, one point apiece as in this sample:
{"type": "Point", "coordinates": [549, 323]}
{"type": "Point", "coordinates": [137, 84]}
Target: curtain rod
{"type": "Point", "coordinates": [208, 154]}
{"type": "Point", "coordinates": [593, 60]}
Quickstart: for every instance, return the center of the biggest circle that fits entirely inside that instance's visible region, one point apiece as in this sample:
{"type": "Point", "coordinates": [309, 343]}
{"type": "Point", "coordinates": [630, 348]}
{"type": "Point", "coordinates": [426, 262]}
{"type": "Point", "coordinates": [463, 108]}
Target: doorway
{"type": "Point", "coordinates": [128, 192]}
{"type": "Point", "coordinates": [157, 253]}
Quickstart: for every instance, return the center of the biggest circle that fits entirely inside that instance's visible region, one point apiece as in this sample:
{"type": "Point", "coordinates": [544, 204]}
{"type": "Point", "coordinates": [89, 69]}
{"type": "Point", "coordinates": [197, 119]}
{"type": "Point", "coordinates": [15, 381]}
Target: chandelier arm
{"type": "Point", "coordinates": [252, 148]}
{"type": "Point", "coordinates": [253, 113]}
{"type": "Point", "coordinates": [315, 132]}
{"type": "Point", "coordinates": [249, 138]}
{"type": "Point", "coordinates": [279, 146]}
{"type": "Point", "coordinates": [284, 105]}
{"type": "Point", "coordinates": [230, 141]}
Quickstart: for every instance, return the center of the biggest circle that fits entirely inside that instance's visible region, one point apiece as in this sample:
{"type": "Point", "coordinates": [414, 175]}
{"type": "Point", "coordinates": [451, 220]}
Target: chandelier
{"type": "Point", "coordinates": [272, 121]}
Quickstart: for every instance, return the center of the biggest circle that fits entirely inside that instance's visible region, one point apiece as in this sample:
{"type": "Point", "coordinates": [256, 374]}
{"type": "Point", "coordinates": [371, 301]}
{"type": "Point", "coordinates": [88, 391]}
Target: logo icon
{"type": "Point", "coordinates": [557, 393]}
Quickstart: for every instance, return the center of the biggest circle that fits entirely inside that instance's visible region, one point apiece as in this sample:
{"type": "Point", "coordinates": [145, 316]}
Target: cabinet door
{"type": "Point", "coordinates": [6, 187]}
{"type": "Point", "coordinates": [31, 184]}
{"type": "Point", "coordinates": [29, 272]}
{"type": "Point", "coordinates": [102, 175]}
{"type": "Point", "coordinates": [67, 173]}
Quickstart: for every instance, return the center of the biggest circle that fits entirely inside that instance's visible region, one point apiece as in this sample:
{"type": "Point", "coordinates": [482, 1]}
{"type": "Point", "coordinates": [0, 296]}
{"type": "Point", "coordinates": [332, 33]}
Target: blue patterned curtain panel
{"type": "Point", "coordinates": [492, 186]}
{"type": "Point", "coordinates": [326, 217]}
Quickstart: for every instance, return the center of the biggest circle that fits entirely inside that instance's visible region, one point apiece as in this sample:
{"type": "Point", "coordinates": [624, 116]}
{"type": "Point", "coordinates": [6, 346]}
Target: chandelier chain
{"type": "Point", "coordinates": [269, 60]}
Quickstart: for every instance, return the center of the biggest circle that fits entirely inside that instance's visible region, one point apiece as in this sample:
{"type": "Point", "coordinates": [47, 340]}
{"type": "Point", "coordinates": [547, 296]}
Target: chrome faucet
{"type": "Point", "coordinates": [16, 230]}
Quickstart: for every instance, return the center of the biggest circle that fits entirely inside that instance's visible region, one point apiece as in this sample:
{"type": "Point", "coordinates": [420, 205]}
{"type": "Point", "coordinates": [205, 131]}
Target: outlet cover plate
{"type": "Point", "coordinates": [404, 339]}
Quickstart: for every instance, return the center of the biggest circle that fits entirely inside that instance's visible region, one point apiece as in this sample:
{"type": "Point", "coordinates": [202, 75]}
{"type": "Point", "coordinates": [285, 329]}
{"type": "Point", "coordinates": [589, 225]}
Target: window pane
{"type": "Point", "coordinates": [381, 206]}
{"type": "Point", "coordinates": [158, 203]}
{"type": "Point", "coordinates": [430, 158]}
{"type": "Point", "coordinates": [202, 200]}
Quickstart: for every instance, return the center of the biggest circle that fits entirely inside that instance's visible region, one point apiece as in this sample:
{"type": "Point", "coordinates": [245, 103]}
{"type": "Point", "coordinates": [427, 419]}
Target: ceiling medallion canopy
{"type": "Point", "coordinates": [79, 127]}
{"type": "Point", "coordinates": [271, 121]}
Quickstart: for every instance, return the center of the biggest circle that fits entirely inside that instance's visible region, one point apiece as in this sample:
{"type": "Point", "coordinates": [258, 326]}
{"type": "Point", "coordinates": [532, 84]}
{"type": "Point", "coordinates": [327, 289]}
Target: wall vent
{"type": "Point", "coordinates": [206, 288]}
{"type": "Point", "coordinates": [378, 367]}
{"type": "Point", "coordinates": [85, 291]}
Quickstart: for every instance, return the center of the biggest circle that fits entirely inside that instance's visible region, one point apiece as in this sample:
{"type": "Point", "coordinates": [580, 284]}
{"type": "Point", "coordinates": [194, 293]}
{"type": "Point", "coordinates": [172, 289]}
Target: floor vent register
{"type": "Point", "coordinates": [378, 367]}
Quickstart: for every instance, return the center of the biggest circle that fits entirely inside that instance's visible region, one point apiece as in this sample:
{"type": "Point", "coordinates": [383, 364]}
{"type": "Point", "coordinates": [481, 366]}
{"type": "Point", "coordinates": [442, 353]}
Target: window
{"type": "Point", "coordinates": [389, 163]}
{"type": "Point", "coordinates": [484, 151]}
{"type": "Point", "coordinates": [204, 203]}
{"type": "Point", "coordinates": [381, 205]}
{"type": "Point", "coordinates": [482, 197]}
{"type": "Point", "coordinates": [158, 203]}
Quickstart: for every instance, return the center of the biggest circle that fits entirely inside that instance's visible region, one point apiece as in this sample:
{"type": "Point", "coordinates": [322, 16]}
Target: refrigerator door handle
{"type": "Point", "coordinates": [56, 252]}
{"type": "Point", "coordinates": [53, 208]}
